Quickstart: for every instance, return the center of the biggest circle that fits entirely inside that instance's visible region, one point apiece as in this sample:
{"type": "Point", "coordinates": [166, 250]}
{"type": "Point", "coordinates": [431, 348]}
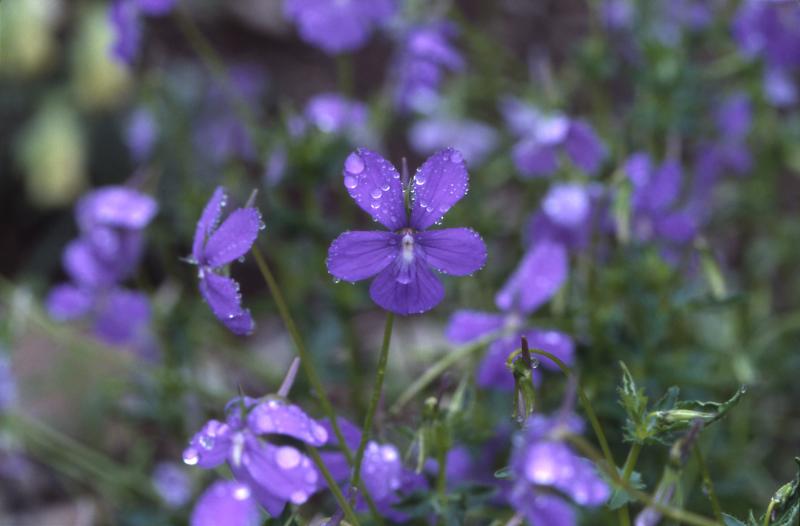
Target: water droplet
{"type": "Point", "coordinates": [376, 193]}
{"type": "Point", "coordinates": [456, 157]}
{"type": "Point", "coordinates": [320, 433]}
{"type": "Point", "coordinates": [287, 457]}
{"type": "Point", "coordinates": [241, 493]}
{"type": "Point", "coordinates": [350, 181]}
{"type": "Point", "coordinates": [190, 457]}
{"type": "Point", "coordinates": [375, 205]}
{"type": "Point", "coordinates": [206, 441]}
{"type": "Point", "coordinates": [298, 497]}
{"type": "Point", "coordinates": [354, 164]}
{"type": "Point", "coordinates": [385, 187]}
{"type": "Point", "coordinates": [420, 179]}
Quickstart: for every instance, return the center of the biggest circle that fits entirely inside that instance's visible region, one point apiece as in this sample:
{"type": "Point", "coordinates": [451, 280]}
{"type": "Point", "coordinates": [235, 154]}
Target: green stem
{"type": "Point", "coordinates": [309, 369]}
{"type": "Point", "coordinates": [334, 487]}
{"type": "Point", "coordinates": [676, 514]}
{"type": "Point", "coordinates": [709, 484]}
{"type": "Point", "coordinates": [627, 470]}
{"type": "Point", "coordinates": [377, 389]}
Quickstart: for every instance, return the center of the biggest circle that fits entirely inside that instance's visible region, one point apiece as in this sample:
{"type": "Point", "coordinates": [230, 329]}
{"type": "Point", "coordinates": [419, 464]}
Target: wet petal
{"type": "Point", "coordinates": [537, 278]}
{"type": "Point", "coordinates": [468, 325]}
{"type": "Point", "coordinates": [584, 147]}
{"type": "Point", "coordinates": [233, 238]}
{"type": "Point", "coordinates": [284, 471]}
{"type": "Point", "coordinates": [123, 317]}
{"type": "Point", "coordinates": [210, 446]}
{"type": "Point", "coordinates": [67, 302]}
{"type": "Point", "coordinates": [533, 158]}
{"type": "Point", "coordinates": [354, 256]}
{"type": "Point", "coordinates": [438, 184]}
{"type": "Point", "coordinates": [455, 251]}
{"type": "Point", "coordinates": [226, 503]}
{"type": "Point", "coordinates": [222, 295]}
{"type": "Point", "coordinates": [277, 417]}
{"type": "Point", "coordinates": [542, 508]}
{"type": "Point", "coordinates": [382, 470]}
{"type": "Point", "coordinates": [375, 186]}
{"type": "Point", "coordinates": [556, 343]}
{"type": "Point", "coordinates": [422, 291]}
{"type": "Point", "coordinates": [208, 221]}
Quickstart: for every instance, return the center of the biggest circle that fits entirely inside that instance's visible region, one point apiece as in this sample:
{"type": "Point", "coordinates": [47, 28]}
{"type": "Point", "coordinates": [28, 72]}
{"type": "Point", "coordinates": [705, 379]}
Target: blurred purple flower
{"type": "Point", "coordinates": [780, 88]}
{"type": "Point", "coordinates": [217, 245]}
{"type": "Point", "coordinates": [402, 260]}
{"type": "Point", "coordinates": [565, 216]}
{"type": "Point", "coordinates": [111, 220]}
{"type": "Point", "coordinates": [172, 484]}
{"type": "Point", "coordinates": [472, 138]}
{"type": "Point", "coordinates": [8, 384]}
{"type": "Point", "coordinates": [542, 136]}
{"type": "Point", "coordinates": [653, 201]}
{"type": "Point", "coordinates": [617, 14]}
{"type": "Point", "coordinates": [226, 503]}
{"type": "Point", "coordinates": [156, 7]}
{"type": "Point", "coordinates": [425, 54]}
{"type": "Point", "coordinates": [541, 460]}
{"type": "Point", "coordinates": [141, 133]}
{"type": "Point", "coordinates": [337, 26]}
{"type": "Point", "coordinates": [276, 165]}
{"type": "Point", "coordinates": [334, 113]}
{"type": "Point", "coordinates": [125, 17]}
{"type": "Point", "coordinates": [274, 474]}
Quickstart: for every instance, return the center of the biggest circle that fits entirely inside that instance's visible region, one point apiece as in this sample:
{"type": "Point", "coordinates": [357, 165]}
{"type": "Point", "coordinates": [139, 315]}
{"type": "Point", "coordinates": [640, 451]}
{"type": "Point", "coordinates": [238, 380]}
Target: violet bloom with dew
{"type": "Point", "coordinates": [402, 260]}
{"type": "Point", "coordinates": [543, 136]}
{"type": "Point", "coordinates": [474, 139]}
{"type": "Point", "coordinates": [337, 26]}
{"type": "Point", "coordinates": [541, 462]}
{"type": "Point", "coordinates": [226, 503]}
{"type": "Point", "coordinates": [275, 474]}
{"type": "Point", "coordinates": [426, 53]}
{"type": "Point", "coordinates": [216, 246]}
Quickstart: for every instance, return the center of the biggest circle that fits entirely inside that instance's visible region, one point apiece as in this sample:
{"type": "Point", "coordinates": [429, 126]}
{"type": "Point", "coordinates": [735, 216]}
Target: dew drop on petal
{"type": "Point", "coordinates": [354, 164]}
{"type": "Point", "coordinates": [376, 193]}
{"type": "Point", "coordinates": [190, 457]}
{"type": "Point", "coordinates": [456, 157]}
{"type": "Point", "coordinates": [241, 493]}
{"type": "Point", "coordinates": [350, 181]}
{"type": "Point", "coordinates": [287, 457]}
{"type": "Point", "coordinates": [375, 205]}
{"type": "Point", "coordinates": [298, 497]}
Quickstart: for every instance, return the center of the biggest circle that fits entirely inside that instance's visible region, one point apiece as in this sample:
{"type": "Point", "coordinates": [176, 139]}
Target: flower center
{"type": "Point", "coordinates": [407, 247]}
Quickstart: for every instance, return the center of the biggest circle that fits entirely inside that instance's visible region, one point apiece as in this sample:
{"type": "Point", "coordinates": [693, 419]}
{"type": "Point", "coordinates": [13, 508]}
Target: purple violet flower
{"type": "Point", "coordinates": [425, 53]}
{"type": "Point", "coordinates": [274, 474]}
{"type": "Point", "coordinates": [217, 245]}
{"type": "Point", "coordinates": [226, 503]}
{"type": "Point", "coordinates": [337, 26]}
{"type": "Point", "coordinates": [538, 277]}
{"type": "Point", "coordinates": [402, 260]}
{"type": "Point", "coordinates": [125, 17]}
{"type": "Point", "coordinates": [542, 460]}
{"type": "Point", "coordinates": [542, 136]}
{"type": "Point", "coordinates": [172, 484]}
{"type": "Point", "coordinates": [141, 133]}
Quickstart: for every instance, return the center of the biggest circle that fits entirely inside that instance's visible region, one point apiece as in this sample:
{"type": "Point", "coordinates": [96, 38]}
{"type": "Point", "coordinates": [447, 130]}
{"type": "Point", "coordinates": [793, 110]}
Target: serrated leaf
{"type": "Point", "coordinates": [620, 496]}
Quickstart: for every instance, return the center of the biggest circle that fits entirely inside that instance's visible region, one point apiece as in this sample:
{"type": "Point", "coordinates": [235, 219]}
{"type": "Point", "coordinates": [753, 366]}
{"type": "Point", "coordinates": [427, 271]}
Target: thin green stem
{"type": "Point", "coordinates": [309, 369]}
{"type": "Point", "coordinates": [377, 389]}
{"type": "Point", "coordinates": [768, 514]}
{"type": "Point", "coordinates": [334, 487]}
{"type": "Point", "coordinates": [676, 514]}
{"type": "Point", "coordinates": [627, 470]}
{"type": "Point", "coordinates": [709, 485]}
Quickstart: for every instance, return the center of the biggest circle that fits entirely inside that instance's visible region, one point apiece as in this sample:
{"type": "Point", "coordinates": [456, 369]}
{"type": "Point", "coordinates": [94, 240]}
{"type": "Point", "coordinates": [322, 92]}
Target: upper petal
{"type": "Point", "coordinates": [584, 147]}
{"type": "Point", "coordinates": [468, 325]}
{"type": "Point", "coordinates": [360, 255]}
{"type": "Point", "coordinates": [438, 184]}
{"type": "Point", "coordinates": [226, 503]}
{"type": "Point", "coordinates": [276, 417]}
{"type": "Point", "coordinates": [222, 295]}
{"type": "Point", "coordinates": [210, 446]}
{"type": "Point", "coordinates": [208, 220]}
{"type": "Point", "coordinates": [375, 186]}
{"type": "Point", "coordinates": [233, 238]}
{"type": "Point", "coordinates": [420, 292]}
{"type": "Point", "coordinates": [456, 251]}
{"type": "Point", "coordinates": [538, 277]}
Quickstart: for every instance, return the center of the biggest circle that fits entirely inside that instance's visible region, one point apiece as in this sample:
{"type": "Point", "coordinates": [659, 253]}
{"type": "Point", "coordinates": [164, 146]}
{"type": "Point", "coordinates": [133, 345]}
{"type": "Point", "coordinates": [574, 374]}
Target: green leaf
{"type": "Point", "coordinates": [784, 506]}
{"type": "Point", "coordinates": [731, 521]}
{"type": "Point", "coordinates": [620, 496]}
{"type": "Point", "coordinates": [503, 473]}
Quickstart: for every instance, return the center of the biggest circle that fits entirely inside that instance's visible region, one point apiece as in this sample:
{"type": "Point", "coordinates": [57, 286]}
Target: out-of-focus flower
{"type": "Point", "coordinates": [276, 165]}
{"type": "Point", "coordinates": [780, 88]}
{"type": "Point", "coordinates": [226, 503]}
{"type": "Point", "coordinates": [541, 462]}
{"type": "Point", "coordinates": [98, 81]}
{"type": "Point", "coordinates": [52, 153]}
{"type": "Point", "coordinates": [172, 484]}
{"type": "Point", "coordinates": [141, 133]}
{"type": "Point", "coordinates": [27, 35]}
{"type": "Point", "coordinates": [335, 26]}
{"type": "Point", "coordinates": [8, 384]}
{"type": "Point", "coordinates": [126, 22]}
{"type": "Point", "coordinates": [403, 259]}
{"type": "Point", "coordinates": [334, 113]}
{"type": "Point", "coordinates": [472, 138]}
{"type": "Point", "coordinates": [425, 54]}
{"type": "Point", "coordinates": [216, 246]}
{"type": "Point", "coordinates": [617, 14]}
{"type": "Point", "coordinates": [274, 474]}
{"type": "Point", "coordinates": [542, 136]}
{"type": "Point", "coordinates": [111, 221]}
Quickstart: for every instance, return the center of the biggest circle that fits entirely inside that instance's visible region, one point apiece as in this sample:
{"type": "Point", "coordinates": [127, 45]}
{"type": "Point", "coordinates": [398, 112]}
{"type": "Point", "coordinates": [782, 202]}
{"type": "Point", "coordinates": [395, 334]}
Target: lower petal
{"type": "Point", "coordinates": [422, 293]}
{"type": "Point", "coordinates": [226, 503]}
{"type": "Point", "coordinates": [354, 256]}
{"type": "Point", "coordinates": [222, 295]}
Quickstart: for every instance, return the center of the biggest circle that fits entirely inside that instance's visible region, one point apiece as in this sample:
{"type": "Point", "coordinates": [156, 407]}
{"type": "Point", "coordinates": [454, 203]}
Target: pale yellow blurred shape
{"type": "Point", "coordinates": [52, 154]}
{"type": "Point", "coordinates": [27, 42]}
{"type": "Point", "coordinates": [98, 81]}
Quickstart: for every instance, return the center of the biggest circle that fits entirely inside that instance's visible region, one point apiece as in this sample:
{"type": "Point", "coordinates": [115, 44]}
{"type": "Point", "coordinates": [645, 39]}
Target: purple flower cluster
{"type": "Point", "coordinates": [425, 54]}
{"type": "Point", "coordinates": [111, 222]}
{"type": "Point", "coordinates": [541, 462]}
{"type": "Point", "coordinates": [771, 31]}
{"type": "Point", "coordinates": [542, 136]}
{"type": "Point", "coordinates": [217, 245]}
{"type": "Point", "coordinates": [403, 259]}
{"type": "Point", "coordinates": [126, 21]}
{"type": "Point", "coordinates": [336, 26]}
